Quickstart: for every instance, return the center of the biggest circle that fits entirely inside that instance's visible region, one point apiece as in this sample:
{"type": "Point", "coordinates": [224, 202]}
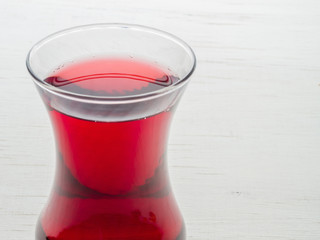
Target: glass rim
{"type": "Point", "coordinates": [111, 99]}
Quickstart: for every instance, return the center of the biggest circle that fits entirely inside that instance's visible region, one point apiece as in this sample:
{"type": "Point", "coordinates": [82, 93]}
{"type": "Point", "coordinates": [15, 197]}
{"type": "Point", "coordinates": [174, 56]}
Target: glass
{"type": "Point", "coordinates": [110, 91]}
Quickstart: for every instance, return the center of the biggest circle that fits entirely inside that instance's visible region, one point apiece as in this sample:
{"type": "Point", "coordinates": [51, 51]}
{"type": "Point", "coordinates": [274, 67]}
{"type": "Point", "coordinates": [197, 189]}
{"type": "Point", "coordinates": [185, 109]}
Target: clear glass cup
{"type": "Point", "coordinates": [111, 91]}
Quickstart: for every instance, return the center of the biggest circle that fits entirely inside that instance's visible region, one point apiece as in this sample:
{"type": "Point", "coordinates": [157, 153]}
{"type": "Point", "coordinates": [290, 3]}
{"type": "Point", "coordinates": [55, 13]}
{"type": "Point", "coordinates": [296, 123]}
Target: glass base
{"type": "Point", "coordinates": [40, 235]}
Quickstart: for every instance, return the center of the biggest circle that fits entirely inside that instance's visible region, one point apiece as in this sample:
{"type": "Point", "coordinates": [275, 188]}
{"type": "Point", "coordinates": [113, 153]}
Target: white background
{"type": "Point", "coordinates": [244, 147]}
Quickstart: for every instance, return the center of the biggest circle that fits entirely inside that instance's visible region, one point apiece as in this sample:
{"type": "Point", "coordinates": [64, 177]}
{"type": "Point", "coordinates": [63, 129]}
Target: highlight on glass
{"type": "Point", "coordinates": [111, 91]}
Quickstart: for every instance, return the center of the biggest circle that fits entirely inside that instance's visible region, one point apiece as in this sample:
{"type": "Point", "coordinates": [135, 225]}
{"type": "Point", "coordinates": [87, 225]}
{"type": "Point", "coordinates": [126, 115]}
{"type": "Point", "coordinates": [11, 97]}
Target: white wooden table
{"type": "Point", "coordinates": [244, 149]}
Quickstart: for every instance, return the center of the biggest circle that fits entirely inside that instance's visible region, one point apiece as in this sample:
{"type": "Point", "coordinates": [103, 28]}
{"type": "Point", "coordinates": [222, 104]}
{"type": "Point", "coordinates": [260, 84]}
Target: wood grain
{"type": "Point", "coordinates": [244, 148]}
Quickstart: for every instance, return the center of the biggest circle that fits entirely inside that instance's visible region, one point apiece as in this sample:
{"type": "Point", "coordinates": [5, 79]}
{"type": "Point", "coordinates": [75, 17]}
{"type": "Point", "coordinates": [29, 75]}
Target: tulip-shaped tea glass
{"type": "Point", "coordinates": [111, 91]}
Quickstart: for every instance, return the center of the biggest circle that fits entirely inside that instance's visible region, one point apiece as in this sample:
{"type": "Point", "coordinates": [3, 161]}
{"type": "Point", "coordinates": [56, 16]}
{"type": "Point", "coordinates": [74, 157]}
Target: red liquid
{"type": "Point", "coordinates": [111, 179]}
